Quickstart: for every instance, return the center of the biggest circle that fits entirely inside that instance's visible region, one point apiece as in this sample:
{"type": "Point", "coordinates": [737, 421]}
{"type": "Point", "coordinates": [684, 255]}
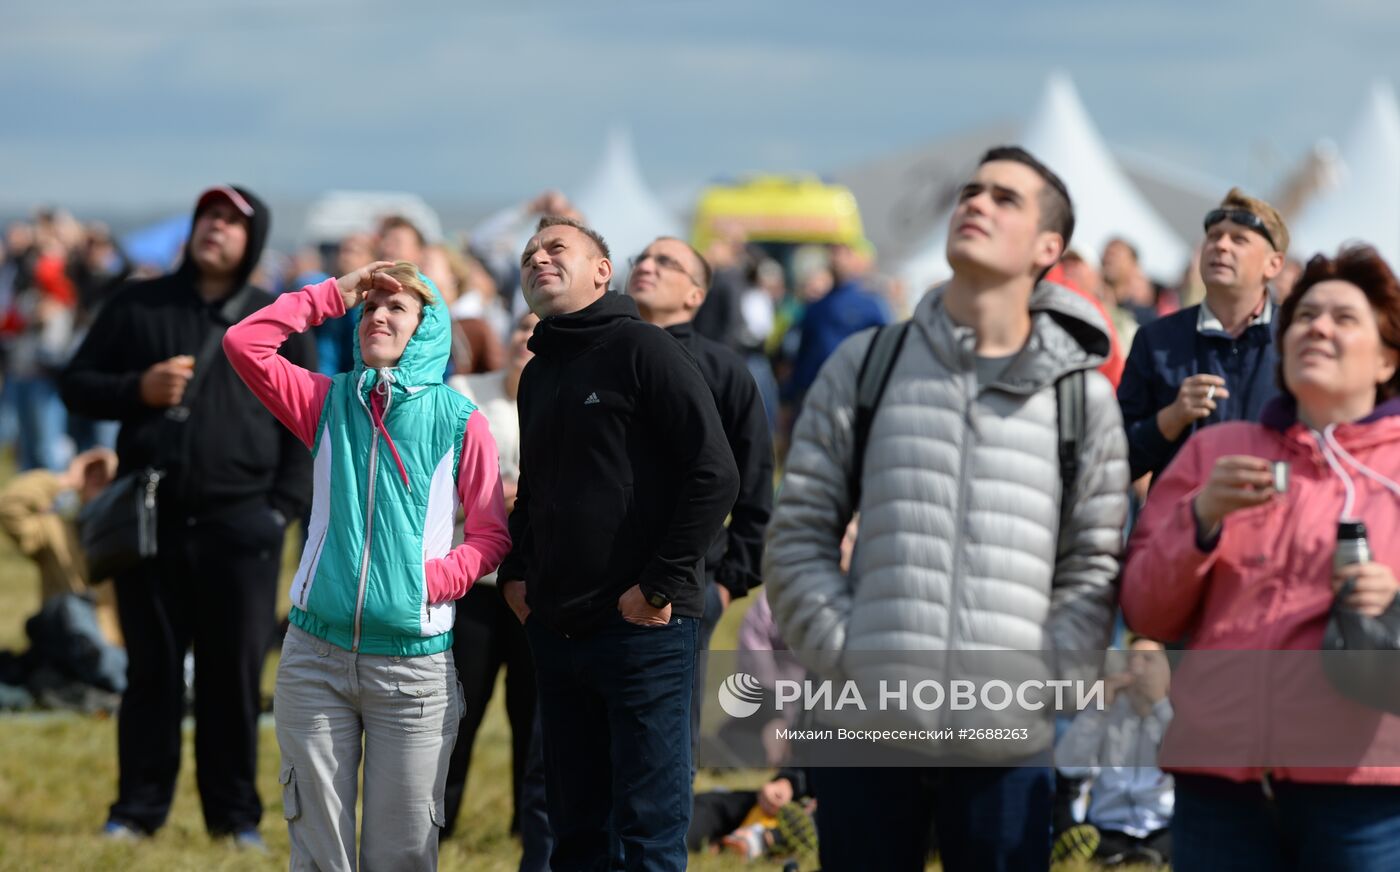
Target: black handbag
{"type": "Point", "coordinates": [117, 528]}
{"type": "Point", "coordinates": [1362, 654]}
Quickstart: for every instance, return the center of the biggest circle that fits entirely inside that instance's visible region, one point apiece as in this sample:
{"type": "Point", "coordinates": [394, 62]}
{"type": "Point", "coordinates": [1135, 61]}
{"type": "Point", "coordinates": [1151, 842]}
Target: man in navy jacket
{"type": "Point", "coordinates": [1215, 361]}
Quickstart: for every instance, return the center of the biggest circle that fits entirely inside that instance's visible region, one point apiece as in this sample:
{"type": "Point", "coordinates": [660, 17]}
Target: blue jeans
{"type": "Point", "coordinates": [1233, 827]}
{"type": "Point", "coordinates": [615, 713]}
{"type": "Point", "coordinates": [986, 820]}
{"type": "Point", "coordinates": [42, 424]}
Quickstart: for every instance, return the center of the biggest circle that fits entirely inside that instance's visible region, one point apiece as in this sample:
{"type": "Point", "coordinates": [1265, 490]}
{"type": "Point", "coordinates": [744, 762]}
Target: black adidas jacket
{"type": "Point", "coordinates": [735, 559]}
{"type": "Point", "coordinates": [625, 473]}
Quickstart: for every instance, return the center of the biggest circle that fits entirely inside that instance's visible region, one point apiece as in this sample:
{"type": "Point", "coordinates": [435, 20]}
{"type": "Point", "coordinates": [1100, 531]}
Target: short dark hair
{"type": "Point", "coordinates": [394, 222]}
{"type": "Point", "coordinates": [561, 221]}
{"type": "Point", "coordinates": [1056, 207]}
{"type": "Point", "coordinates": [1362, 266]}
{"type": "Point", "coordinates": [706, 274]}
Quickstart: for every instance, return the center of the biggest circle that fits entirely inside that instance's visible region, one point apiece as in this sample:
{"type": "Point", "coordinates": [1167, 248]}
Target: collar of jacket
{"type": "Point", "coordinates": [1067, 334]}
{"type": "Point", "coordinates": [424, 359]}
{"type": "Point", "coordinates": [1281, 414]}
{"type": "Point", "coordinates": [567, 334]}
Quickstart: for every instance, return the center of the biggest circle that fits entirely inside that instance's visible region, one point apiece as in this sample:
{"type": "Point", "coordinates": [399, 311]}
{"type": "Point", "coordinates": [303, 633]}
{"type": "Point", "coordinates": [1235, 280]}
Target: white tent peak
{"type": "Point", "coordinates": [1061, 134]}
{"type": "Point", "coordinates": [1363, 203]}
{"type": "Point", "coordinates": [616, 201]}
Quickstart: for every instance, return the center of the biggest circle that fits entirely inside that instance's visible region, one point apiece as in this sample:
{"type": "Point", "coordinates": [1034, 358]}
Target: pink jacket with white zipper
{"type": "Point", "coordinates": [1266, 585]}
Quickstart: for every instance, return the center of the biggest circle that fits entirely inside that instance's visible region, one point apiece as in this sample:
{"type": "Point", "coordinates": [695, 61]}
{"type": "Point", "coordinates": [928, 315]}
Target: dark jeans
{"type": "Point", "coordinates": [213, 585]}
{"type": "Point", "coordinates": [714, 610]}
{"type": "Point", "coordinates": [487, 636]}
{"type": "Point", "coordinates": [536, 840]}
{"type": "Point", "coordinates": [1224, 826]}
{"type": "Point", "coordinates": [615, 713]}
{"type": "Point", "coordinates": [988, 820]}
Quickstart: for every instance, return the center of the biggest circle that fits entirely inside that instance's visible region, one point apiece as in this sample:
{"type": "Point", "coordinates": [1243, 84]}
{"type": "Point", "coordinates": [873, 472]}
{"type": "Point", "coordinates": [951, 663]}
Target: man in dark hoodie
{"type": "Point", "coordinates": [626, 478]}
{"type": "Point", "coordinates": [669, 282]}
{"type": "Point", "coordinates": [233, 477]}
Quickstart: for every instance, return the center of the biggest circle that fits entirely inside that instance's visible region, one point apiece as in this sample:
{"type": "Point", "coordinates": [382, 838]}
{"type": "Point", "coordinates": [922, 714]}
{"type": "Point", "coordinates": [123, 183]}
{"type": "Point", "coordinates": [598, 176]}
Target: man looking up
{"type": "Point", "coordinates": [1214, 361]}
{"type": "Point", "coordinates": [625, 481]}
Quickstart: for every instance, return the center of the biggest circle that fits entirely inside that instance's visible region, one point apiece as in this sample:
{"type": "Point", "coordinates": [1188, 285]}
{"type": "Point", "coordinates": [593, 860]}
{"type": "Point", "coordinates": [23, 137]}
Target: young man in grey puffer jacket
{"type": "Point", "coordinates": [960, 545]}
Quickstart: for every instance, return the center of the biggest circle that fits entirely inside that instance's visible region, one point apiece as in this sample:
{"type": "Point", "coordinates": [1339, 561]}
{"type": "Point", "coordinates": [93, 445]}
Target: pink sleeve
{"type": "Point", "coordinates": [487, 539]}
{"type": "Point", "coordinates": [1166, 573]}
{"type": "Point", "coordinates": [294, 395]}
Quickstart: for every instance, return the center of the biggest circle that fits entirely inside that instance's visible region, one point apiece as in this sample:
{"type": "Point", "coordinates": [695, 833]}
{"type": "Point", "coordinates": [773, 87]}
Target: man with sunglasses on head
{"type": "Point", "coordinates": [669, 281]}
{"type": "Point", "coordinates": [1215, 361]}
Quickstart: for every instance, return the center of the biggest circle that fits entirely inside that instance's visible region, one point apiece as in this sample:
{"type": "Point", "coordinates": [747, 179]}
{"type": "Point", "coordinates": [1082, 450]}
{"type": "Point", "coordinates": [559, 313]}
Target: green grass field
{"type": "Point", "coordinates": [58, 775]}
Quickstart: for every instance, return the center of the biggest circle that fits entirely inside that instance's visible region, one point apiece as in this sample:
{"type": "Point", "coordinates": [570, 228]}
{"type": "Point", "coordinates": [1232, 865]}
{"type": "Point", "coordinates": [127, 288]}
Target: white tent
{"type": "Point", "coordinates": [1106, 204]}
{"type": "Point", "coordinates": [1364, 202]}
{"type": "Point", "coordinates": [617, 203]}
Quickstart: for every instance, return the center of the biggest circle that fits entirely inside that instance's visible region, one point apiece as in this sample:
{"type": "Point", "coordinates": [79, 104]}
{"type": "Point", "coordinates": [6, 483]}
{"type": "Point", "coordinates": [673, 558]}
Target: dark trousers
{"type": "Point", "coordinates": [487, 636]}
{"type": "Point", "coordinates": [1224, 826]}
{"type": "Point", "coordinates": [1120, 848]}
{"type": "Point", "coordinates": [615, 714]}
{"type": "Point", "coordinates": [213, 585]}
{"type": "Point", "coordinates": [988, 820]}
{"type": "Point", "coordinates": [716, 814]}
{"type": "Point", "coordinates": [536, 840]}
{"type": "Point", "coordinates": [714, 610]}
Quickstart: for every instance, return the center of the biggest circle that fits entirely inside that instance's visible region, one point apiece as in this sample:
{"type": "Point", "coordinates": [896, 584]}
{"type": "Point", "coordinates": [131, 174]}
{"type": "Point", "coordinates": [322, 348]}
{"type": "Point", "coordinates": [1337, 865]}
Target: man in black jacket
{"type": "Point", "coordinates": [668, 282]}
{"type": "Point", "coordinates": [626, 478]}
{"type": "Point", "coordinates": [233, 477]}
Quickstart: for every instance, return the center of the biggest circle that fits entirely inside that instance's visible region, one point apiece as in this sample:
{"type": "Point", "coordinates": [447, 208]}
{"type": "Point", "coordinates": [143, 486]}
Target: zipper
{"type": "Point", "coordinates": [369, 535]}
{"type": "Point", "coordinates": [964, 460]}
{"type": "Point", "coordinates": [369, 511]}
{"type": "Point", "coordinates": [312, 566]}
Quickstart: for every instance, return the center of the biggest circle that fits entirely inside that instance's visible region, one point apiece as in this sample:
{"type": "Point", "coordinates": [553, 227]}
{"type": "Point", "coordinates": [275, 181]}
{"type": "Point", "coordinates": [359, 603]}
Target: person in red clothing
{"type": "Point", "coordinates": [1222, 557]}
{"type": "Point", "coordinates": [1112, 368]}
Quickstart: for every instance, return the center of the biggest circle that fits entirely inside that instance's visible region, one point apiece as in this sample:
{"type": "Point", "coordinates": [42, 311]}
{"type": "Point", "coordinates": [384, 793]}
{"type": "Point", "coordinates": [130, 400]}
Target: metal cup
{"type": "Point", "coordinates": [1280, 471]}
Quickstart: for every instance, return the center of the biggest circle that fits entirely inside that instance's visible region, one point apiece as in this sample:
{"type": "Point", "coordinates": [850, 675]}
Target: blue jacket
{"type": "Point", "coordinates": [1168, 350]}
{"type": "Point", "coordinates": [848, 309]}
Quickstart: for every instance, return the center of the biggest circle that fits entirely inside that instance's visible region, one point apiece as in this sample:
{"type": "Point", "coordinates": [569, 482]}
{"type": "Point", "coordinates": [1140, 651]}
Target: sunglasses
{"type": "Point", "coordinates": [1242, 218]}
{"type": "Point", "coordinates": [664, 261]}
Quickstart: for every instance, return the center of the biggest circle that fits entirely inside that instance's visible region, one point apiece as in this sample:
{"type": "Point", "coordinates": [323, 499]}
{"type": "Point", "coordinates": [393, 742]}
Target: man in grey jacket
{"type": "Point", "coordinates": [961, 545]}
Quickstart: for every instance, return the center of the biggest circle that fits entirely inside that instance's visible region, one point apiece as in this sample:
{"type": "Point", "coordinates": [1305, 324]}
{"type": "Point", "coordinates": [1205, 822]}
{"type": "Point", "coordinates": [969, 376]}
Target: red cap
{"type": "Point", "coordinates": [224, 192]}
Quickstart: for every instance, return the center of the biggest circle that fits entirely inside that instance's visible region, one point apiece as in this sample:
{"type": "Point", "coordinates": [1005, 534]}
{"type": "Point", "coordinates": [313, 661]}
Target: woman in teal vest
{"type": "Point", "coordinates": [367, 662]}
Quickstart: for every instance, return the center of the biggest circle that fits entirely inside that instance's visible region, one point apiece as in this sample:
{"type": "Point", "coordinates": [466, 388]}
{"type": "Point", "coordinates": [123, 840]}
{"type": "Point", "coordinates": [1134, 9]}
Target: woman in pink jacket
{"type": "Point", "coordinates": [1274, 769]}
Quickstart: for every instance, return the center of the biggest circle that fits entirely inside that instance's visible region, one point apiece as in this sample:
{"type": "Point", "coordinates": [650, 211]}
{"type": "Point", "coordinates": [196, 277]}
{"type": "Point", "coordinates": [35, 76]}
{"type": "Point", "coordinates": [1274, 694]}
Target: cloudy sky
{"type": "Point", "coordinates": [143, 102]}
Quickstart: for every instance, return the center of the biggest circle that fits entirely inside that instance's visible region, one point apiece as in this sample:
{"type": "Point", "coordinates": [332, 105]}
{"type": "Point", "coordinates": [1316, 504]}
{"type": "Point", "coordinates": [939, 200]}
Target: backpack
{"type": "Point", "coordinates": [874, 376]}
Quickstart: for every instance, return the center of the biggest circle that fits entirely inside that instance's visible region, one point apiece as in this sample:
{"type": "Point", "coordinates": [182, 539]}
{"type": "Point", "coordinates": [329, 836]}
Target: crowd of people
{"type": "Point", "coordinates": [499, 462]}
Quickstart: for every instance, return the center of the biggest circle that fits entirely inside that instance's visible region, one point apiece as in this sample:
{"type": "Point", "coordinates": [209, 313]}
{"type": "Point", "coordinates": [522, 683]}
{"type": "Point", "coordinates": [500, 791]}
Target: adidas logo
{"type": "Point", "coordinates": [592, 400]}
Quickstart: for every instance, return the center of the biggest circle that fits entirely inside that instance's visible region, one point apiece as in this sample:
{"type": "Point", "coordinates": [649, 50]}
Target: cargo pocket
{"type": "Point", "coordinates": [291, 806]}
{"type": "Point", "coordinates": [424, 706]}
{"type": "Point", "coordinates": [439, 816]}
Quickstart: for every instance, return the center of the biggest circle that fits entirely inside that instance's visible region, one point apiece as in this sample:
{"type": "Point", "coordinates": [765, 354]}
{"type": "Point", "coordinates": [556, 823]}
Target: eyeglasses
{"type": "Point", "coordinates": [663, 261]}
{"type": "Point", "coordinates": [1242, 218]}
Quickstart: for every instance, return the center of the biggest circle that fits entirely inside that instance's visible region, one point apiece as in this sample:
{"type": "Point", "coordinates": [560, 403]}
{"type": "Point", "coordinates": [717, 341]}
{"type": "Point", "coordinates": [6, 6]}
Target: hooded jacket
{"type": "Point", "coordinates": [396, 452]}
{"type": "Point", "coordinates": [230, 452]}
{"type": "Point", "coordinates": [626, 475]}
{"type": "Point", "coordinates": [960, 546]}
{"type": "Point", "coordinates": [1265, 585]}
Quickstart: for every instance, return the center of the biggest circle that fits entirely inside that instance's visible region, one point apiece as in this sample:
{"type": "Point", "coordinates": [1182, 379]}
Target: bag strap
{"type": "Point", "coordinates": [874, 376]}
{"type": "Point", "coordinates": [230, 312]}
{"type": "Point", "coordinates": [1070, 426]}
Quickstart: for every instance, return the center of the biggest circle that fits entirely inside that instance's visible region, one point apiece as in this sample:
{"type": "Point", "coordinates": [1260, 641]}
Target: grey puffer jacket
{"type": "Point", "coordinates": [959, 545]}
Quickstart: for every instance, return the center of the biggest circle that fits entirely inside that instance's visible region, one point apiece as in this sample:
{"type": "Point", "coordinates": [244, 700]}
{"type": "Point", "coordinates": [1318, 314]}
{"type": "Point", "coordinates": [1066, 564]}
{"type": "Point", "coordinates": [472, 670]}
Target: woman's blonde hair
{"type": "Point", "coordinates": [407, 275]}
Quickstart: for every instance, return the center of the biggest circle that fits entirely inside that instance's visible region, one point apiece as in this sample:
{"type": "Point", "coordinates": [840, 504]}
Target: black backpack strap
{"type": "Point", "coordinates": [874, 376]}
{"type": "Point", "coordinates": [1071, 426]}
